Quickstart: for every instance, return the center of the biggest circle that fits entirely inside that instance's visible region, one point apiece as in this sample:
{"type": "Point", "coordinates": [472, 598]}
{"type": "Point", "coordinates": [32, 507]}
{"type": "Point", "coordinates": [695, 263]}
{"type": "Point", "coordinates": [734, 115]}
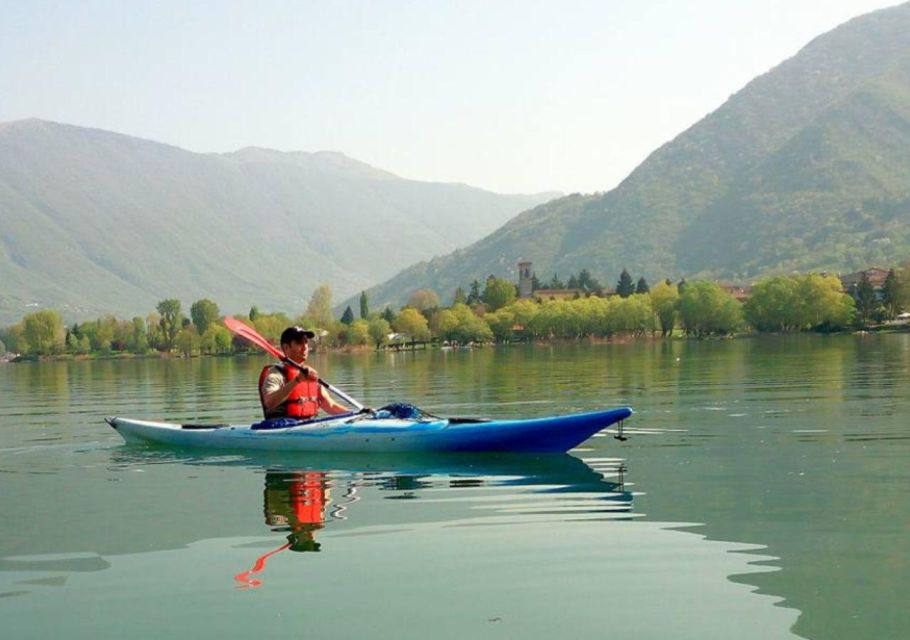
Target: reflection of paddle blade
{"type": "Point", "coordinates": [246, 582]}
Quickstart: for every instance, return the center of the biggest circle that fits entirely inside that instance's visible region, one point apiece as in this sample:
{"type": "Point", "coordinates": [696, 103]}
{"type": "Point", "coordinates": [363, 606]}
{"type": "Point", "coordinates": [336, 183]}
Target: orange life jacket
{"type": "Point", "coordinates": [302, 402]}
{"type": "Point", "coordinates": [308, 497]}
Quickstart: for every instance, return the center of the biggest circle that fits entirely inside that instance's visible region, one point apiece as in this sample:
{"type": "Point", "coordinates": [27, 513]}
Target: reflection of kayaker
{"type": "Point", "coordinates": [293, 502]}
{"type": "Point", "coordinates": [296, 502]}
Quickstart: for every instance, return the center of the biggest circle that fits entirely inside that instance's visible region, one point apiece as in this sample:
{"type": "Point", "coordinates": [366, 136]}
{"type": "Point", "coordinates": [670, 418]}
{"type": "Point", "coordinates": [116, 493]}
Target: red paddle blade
{"type": "Point", "coordinates": [252, 336]}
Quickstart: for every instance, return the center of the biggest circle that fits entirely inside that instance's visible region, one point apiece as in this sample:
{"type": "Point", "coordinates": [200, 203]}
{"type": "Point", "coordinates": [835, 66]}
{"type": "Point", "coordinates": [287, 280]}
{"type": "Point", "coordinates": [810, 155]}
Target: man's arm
{"type": "Point", "coordinates": [327, 404]}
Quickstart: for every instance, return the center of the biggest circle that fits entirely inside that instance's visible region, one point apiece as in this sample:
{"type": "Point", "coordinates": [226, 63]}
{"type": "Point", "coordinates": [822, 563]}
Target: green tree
{"type": "Point", "coordinates": [72, 343]}
{"type": "Point", "coordinates": [460, 297]}
{"type": "Point", "coordinates": [78, 344]}
{"type": "Point", "coordinates": [12, 336]}
{"type": "Point", "coordinates": [442, 322]}
{"type": "Point", "coordinates": [824, 305]}
{"type": "Point", "coordinates": [501, 323]}
{"type": "Point", "coordinates": [498, 293]}
{"type": "Point", "coordinates": [798, 303]}
{"type": "Point", "coordinates": [587, 282]}
{"type": "Point", "coordinates": [771, 305]}
{"type": "Point", "coordinates": [105, 339]}
{"type": "Point", "coordinates": [271, 325]}
{"type": "Point", "coordinates": [706, 309]}
{"type": "Point", "coordinates": [44, 332]}
{"type": "Point", "coordinates": [632, 314]}
{"type": "Point", "coordinates": [319, 309]}
{"type": "Point", "coordinates": [153, 328]}
{"type": "Point", "coordinates": [902, 296]}
{"type": "Point", "coordinates": [216, 339]}
{"type": "Point", "coordinates": [379, 330]}
{"type": "Point", "coordinates": [412, 323]}
{"type": "Point", "coordinates": [364, 306]}
{"type": "Point", "coordinates": [203, 313]}
{"type": "Point", "coordinates": [474, 294]}
{"type": "Point", "coordinates": [523, 312]}
{"type": "Point", "coordinates": [642, 286]}
{"type": "Point", "coordinates": [469, 327]}
{"type": "Point", "coordinates": [348, 316]}
{"type": "Point", "coordinates": [624, 287]}
{"type": "Point", "coordinates": [187, 340]}
{"type": "Point", "coordinates": [170, 322]}
{"type": "Point", "coordinates": [561, 319]}
{"type": "Point", "coordinates": [139, 338]}
{"type": "Point", "coordinates": [357, 333]}
{"type": "Point", "coordinates": [254, 313]}
{"type": "Point", "coordinates": [866, 300]}
{"type": "Point", "coordinates": [555, 283]}
{"type": "Point", "coordinates": [388, 315]}
{"type": "Point", "coordinates": [664, 300]}
{"type": "Point", "coordinates": [535, 282]}
{"type": "Point", "coordinates": [890, 294]}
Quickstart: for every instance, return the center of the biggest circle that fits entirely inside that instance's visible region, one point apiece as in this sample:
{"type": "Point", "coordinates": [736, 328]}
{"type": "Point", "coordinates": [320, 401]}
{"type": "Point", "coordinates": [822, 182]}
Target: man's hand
{"type": "Point", "coordinates": [307, 373]}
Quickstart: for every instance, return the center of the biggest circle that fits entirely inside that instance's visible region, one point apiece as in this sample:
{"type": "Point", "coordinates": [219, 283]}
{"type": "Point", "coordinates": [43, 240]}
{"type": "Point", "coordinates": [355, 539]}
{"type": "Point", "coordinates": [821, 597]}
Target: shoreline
{"type": "Point", "coordinates": [10, 358]}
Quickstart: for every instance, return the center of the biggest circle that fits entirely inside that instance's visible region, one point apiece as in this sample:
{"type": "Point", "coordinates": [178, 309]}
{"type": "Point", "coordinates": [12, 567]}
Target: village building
{"type": "Point", "coordinates": [876, 277]}
{"type": "Point", "coordinates": [739, 293]}
{"type": "Point", "coordinates": [526, 288]}
{"type": "Point", "coordinates": [525, 279]}
{"type": "Point", "coordinates": [560, 294]}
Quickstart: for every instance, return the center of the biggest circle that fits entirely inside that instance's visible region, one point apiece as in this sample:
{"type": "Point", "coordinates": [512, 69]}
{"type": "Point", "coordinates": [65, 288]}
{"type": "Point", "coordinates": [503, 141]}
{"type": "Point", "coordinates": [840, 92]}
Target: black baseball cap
{"type": "Point", "coordinates": [296, 334]}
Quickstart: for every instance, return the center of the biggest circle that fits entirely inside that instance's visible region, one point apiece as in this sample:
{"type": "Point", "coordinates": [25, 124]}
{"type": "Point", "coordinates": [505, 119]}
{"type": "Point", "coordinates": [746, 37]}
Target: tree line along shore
{"type": "Point", "coordinates": [491, 312]}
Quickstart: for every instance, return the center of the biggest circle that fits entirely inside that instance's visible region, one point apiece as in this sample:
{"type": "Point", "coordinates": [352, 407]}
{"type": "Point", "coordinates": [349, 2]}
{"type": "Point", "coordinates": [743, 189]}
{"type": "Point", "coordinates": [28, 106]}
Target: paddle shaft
{"type": "Point", "coordinates": [251, 335]}
{"type": "Point", "coordinates": [338, 392]}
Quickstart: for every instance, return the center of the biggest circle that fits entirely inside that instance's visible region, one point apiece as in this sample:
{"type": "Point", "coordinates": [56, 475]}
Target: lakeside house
{"type": "Point", "coordinates": [526, 288]}
{"type": "Point", "coordinates": [876, 277]}
{"type": "Point", "coordinates": [560, 294]}
{"type": "Point", "coordinates": [739, 293]}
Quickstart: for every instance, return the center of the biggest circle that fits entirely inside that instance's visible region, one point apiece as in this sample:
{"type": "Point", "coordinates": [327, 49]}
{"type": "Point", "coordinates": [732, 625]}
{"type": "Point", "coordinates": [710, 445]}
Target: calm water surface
{"type": "Point", "coordinates": [763, 494]}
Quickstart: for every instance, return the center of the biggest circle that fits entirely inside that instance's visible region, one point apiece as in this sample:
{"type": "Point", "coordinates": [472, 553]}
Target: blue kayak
{"type": "Point", "coordinates": [380, 431]}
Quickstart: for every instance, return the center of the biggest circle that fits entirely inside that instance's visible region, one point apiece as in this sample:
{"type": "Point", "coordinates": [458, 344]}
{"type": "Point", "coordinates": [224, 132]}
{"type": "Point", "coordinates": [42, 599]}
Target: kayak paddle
{"type": "Point", "coordinates": [252, 336]}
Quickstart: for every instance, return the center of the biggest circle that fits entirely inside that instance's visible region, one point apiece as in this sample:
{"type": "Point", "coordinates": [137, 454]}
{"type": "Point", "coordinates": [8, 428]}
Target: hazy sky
{"type": "Point", "coordinates": [511, 96]}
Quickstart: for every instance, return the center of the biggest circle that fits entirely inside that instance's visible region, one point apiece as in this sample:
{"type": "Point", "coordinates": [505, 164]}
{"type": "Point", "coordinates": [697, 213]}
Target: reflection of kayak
{"type": "Point", "coordinates": [352, 432]}
{"type": "Point", "coordinates": [554, 468]}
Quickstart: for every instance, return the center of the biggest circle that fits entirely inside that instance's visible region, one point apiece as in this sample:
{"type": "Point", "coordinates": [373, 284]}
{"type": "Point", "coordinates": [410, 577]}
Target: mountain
{"type": "Point", "coordinates": [806, 168]}
{"type": "Point", "coordinates": [94, 222]}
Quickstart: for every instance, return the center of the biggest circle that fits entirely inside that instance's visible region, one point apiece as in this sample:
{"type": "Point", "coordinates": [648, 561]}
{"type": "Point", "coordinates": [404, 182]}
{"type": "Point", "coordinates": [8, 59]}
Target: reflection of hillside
{"type": "Point", "coordinates": [807, 456]}
{"type": "Point", "coordinates": [823, 572]}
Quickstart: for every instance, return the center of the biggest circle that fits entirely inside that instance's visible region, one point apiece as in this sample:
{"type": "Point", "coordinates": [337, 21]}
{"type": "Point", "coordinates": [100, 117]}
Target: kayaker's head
{"type": "Point", "coordinates": [295, 342]}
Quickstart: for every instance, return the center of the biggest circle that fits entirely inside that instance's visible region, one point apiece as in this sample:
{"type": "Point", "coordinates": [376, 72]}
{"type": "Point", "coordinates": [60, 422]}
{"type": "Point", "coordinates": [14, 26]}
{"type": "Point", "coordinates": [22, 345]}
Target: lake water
{"type": "Point", "coordinates": [763, 494]}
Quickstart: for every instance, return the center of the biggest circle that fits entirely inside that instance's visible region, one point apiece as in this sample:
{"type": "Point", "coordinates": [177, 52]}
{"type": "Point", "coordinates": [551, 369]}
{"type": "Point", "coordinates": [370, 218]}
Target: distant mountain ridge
{"type": "Point", "coordinates": [806, 168]}
{"type": "Point", "coordinates": [97, 222]}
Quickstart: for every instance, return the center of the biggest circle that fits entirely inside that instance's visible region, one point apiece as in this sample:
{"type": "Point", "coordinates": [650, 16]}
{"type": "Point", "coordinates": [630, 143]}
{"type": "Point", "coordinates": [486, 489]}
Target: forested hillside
{"type": "Point", "coordinates": [806, 168]}
{"type": "Point", "coordinates": [93, 222]}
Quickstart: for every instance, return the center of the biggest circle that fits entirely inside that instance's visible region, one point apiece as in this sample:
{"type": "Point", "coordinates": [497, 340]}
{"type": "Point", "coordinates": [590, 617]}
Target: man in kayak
{"type": "Point", "coordinates": [294, 392]}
